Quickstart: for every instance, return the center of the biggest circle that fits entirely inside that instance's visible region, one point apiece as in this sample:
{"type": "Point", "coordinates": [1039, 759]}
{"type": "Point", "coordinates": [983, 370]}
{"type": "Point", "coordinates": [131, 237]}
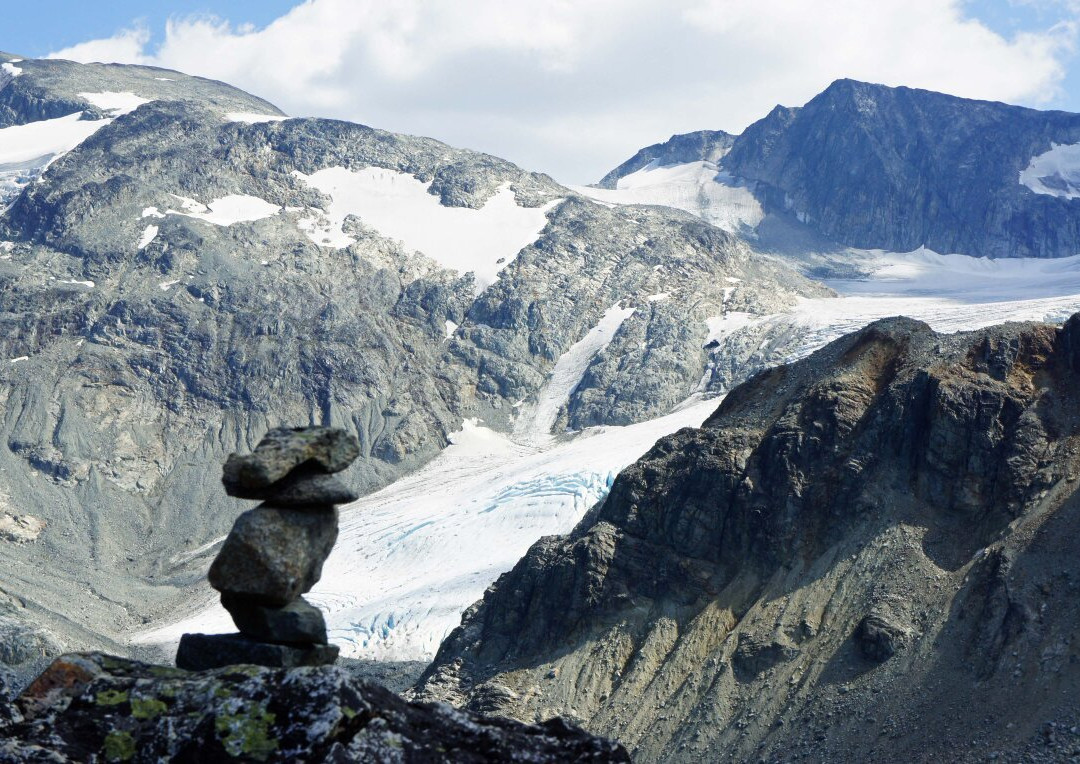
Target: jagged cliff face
{"type": "Point", "coordinates": [184, 278]}
{"type": "Point", "coordinates": [866, 555]}
{"type": "Point", "coordinates": [897, 168]}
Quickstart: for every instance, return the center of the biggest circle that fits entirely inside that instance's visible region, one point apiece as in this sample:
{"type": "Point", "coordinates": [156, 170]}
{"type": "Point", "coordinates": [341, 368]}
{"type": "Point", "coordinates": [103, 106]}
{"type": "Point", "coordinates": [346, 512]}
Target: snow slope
{"type": "Point", "coordinates": [27, 150]}
{"type": "Point", "coordinates": [696, 187]}
{"type": "Point", "coordinates": [1055, 172]}
{"type": "Point", "coordinates": [398, 206]}
{"type": "Point", "coordinates": [115, 103]}
{"type": "Point", "coordinates": [537, 421]}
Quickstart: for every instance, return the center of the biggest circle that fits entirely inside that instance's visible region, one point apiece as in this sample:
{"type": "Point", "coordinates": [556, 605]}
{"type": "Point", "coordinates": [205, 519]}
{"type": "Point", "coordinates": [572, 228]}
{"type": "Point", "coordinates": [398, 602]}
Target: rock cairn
{"type": "Point", "coordinates": [275, 552]}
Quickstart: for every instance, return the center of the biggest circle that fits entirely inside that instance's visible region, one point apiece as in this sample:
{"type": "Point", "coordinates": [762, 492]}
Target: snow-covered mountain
{"type": "Point", "coordinates": [182, 267]}
{"type": "Point", "coordinates": [874, 167]}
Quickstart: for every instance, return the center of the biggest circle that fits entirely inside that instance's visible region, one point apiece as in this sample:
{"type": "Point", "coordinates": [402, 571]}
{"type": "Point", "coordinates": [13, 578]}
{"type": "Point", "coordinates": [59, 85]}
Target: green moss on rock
{"type": "Point", "coordinates": [119, 746]}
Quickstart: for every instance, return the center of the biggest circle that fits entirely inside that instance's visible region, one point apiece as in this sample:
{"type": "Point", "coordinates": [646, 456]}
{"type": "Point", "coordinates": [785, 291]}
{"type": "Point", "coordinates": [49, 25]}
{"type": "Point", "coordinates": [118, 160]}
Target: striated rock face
{"type": "Point", "coordinates": [93, 707]}
{"type": "Point", "coordinates": [870, 554]}
{"type": "Point", "coordinates": [898, 168]}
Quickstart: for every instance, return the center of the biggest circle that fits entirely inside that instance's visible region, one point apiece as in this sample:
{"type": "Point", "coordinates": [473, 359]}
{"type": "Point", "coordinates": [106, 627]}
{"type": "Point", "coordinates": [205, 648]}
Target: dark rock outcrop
{"type": "Point", "coordinates": [877, 543]}
{"type": "Point", "coordinates": [93, 707]}
{"type": "Point", "coordinates": [898, 168]}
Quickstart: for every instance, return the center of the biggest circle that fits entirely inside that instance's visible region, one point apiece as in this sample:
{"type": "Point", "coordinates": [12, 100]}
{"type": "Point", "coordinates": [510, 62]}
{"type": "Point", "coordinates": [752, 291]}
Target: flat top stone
{"type": "Point", "coordinates": [302, 487]}
{"type": "Point", "coordinates": [323, 449]}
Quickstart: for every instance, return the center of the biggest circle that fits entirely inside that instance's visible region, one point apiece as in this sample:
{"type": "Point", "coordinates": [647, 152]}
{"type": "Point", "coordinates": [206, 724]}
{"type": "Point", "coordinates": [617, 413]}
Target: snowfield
{"type": "Point", "coordinates": [117, 104]}
{"type": "Point", "coordinates": [1055, 172]}
{"type": "Point", "coordinates": [251, 118]}
{"type": "Point", "coordinates": [695, 187]}
{"type": "Point", "coordinates": [398, 206]}
{"type": "Point", "coordinates": [226, 211]}
{"type": "Point", "coordinates": [27, 150]}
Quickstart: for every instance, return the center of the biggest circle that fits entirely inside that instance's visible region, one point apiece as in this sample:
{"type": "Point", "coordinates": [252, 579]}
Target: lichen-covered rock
{"type": "Point", "coordinates": [93, 707]}
{"type": "Point", "coordinates": [325, 449]}
{"type": "Point", "coordinates": [274, 555]}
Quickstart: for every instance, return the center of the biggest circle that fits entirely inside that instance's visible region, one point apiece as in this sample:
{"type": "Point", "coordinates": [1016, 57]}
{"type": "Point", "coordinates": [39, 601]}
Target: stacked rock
{"type": "Point", "coordinates": [275, 552]}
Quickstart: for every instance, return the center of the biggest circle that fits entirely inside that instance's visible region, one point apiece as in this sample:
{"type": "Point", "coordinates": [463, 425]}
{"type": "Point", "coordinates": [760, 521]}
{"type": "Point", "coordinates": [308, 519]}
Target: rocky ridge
{"type": "Point", "coordinates": [865, 555]}
{"type": "Point", "coordinates": [703, 145]}
{"type": "Point", "coordinates": [94, 707]}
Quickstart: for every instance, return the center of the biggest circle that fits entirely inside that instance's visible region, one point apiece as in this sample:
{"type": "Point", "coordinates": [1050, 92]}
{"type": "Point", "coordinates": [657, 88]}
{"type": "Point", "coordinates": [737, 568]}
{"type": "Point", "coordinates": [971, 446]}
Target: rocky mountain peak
{"type": "Point", "coordinates": [735, 559]}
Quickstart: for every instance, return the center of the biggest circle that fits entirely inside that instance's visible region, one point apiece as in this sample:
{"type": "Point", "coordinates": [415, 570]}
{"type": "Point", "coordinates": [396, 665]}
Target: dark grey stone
{"type": "Point", "coordinates": [300, 488]}
{"type": "Point", "coordinates": [273, 555]}
{"type": "Point", "coordinates": [202, 652]}
{"type": "Point", "coordinates": [325, 449]}
{"type": "Point", "coordinates": [879, 636]}
{"type": "Point", "coordinates": [297, 622]}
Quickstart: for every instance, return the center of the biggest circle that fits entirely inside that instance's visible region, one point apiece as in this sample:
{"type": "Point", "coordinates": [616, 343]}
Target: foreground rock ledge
{"type": "Point", "coordinates": [95, 707]}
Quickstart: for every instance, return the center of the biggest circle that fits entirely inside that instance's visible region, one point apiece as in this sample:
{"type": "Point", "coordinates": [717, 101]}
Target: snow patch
{"type": "Point", "coordinates": [76, 281]}
{"type": "Point", "coordinates": [11, 69]}
{"type": "Point", "coordinates": [567, 374]}
{"type": "Point", "coordinates": [117, 104]}
{"type": "Point", "coordinates": [451, 327]}
{"type": "Point", "coordinates": [148, 235]}
{"type": "Point", "coordinates": [730, 322]}
{"type": "Point", "coordinates": [226, 211]}
{"type": "Point", "coordinates": [398, 206]}
{"type": "Point", "coordinates": [44, 140]}
{"type": "Point", "coordinates": [164, 286]}
{"type": "Point", "coordinates": [1055, 172]}
{"type": "Point", "coordinates": [658, 296]}
{"type": "Point", "coordinates": [26, 151]}
{"type": "Point", "coordinates": [20, 359]}
{"type": "Point", "coordinates": [152, 212]}
{"type": "Point", "coordinates": [695, 187]}
{"type": "Point", "coordinates": [252, 118]}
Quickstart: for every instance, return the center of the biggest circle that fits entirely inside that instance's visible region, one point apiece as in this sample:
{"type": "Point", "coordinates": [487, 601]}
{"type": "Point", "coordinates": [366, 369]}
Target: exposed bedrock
{"type": "Point", "coordinates": [94, 707]}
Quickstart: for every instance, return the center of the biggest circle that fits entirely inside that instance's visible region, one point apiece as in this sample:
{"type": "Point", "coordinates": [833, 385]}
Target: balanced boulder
{"type": "Point", "coordinates": [274, 555]}
{"type": "Point", "coordinates": [275, 552]}
{"type": "Point", "coordinates": [284, 449]}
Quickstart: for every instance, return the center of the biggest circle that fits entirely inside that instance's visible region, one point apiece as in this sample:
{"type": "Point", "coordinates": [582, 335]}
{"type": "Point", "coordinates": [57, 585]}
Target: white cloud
{"type": "Point", "coordinates": [126, 46]}
{"type": "Point", "coordinates": [573, 88]}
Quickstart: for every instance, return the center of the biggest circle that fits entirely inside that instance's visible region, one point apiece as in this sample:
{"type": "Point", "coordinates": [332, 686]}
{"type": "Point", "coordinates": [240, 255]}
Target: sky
{"type": "Point", "coordinates": [569, 87]}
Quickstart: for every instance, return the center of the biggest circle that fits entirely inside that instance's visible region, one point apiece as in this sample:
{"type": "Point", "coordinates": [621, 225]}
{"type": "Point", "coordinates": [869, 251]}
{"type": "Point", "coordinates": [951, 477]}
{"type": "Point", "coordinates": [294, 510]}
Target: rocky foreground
{"type": "Point", "coordinates": [96, 708]}
{"type": "Point", "coordinates": [868, 555]}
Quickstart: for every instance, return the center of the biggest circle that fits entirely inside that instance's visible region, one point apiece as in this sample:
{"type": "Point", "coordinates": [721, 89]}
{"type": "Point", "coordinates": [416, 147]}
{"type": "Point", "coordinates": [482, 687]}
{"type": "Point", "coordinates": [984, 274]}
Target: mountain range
{"type": "Point", "coordinates": [183, 266]}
